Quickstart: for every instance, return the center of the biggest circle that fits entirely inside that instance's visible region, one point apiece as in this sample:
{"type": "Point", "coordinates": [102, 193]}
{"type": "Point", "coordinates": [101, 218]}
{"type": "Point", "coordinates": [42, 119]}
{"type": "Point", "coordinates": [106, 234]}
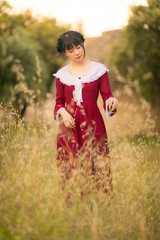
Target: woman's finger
{"type": "Point", "coordinates": [113, 105]}
{"type": "Point", "coordinates": [72, 122]}
{"type": "Point", "coordinates": [109, 104]}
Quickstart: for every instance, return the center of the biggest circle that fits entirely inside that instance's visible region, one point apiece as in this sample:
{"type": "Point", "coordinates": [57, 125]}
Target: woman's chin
{"type": "Point", "coordinates": [80, 59]}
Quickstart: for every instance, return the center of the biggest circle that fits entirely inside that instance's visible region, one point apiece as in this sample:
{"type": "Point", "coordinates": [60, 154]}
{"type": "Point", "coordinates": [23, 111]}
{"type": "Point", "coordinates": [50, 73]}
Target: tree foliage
{"type": "Point", "coordinates": [138, 57]}
{"type": "Point", "coordinates": [27, 46]}
{"type": "Point", "coordinates": [46, 34]}
{"type": "Point", "coordinates": [9, 21]}
{"type": "Point", "coordinates": [20, 63]}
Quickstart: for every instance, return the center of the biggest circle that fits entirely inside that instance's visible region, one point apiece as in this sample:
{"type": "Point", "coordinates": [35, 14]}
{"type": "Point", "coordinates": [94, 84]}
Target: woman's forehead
{"type": "Point", "coordinates": [71, 45]}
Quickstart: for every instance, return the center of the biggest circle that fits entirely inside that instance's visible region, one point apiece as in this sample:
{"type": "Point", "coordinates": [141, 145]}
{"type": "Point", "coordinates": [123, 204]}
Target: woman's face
{"type": "Point", "coordinates": [76, 54]}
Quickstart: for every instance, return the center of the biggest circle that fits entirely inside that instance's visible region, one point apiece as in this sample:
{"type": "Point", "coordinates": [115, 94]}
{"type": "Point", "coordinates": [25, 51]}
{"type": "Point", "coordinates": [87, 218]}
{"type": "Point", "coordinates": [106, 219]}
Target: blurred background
{"type": "Point", "coordinates": [123, 35]}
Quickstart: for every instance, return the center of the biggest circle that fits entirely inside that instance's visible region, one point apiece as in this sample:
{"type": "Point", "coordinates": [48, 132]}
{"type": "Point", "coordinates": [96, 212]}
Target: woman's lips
{"type": "Point", "coordinates": [78, 57]}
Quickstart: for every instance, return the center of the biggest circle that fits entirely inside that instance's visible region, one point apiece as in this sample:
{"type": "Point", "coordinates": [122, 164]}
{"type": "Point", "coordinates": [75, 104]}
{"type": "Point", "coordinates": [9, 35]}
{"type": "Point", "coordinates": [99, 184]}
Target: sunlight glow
{"type": "Point", "coordinates": [96, 16]}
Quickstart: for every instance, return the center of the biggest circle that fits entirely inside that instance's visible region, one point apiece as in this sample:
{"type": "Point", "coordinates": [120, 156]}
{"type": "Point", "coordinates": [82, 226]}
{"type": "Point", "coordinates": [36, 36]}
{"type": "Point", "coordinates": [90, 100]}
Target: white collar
{"type": "Point", "coordinates": [96, 71]}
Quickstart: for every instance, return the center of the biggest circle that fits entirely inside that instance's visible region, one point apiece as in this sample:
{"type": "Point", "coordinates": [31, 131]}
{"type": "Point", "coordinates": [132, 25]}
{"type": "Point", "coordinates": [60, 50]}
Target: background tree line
{"type": "Point", "coordinates": [137, 59]}
{"type": "Point", "coordinates": [27, 46]}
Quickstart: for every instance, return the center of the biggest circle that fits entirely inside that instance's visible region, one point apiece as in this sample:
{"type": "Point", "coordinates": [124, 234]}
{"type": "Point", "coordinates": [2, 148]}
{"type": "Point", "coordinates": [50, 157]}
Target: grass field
{"type": "Point", "coordinates": [34, 207]}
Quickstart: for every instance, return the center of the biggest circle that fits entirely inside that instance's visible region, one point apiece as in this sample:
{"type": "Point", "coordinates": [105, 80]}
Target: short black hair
{"type": "Point", "coordinates": [68, 39]}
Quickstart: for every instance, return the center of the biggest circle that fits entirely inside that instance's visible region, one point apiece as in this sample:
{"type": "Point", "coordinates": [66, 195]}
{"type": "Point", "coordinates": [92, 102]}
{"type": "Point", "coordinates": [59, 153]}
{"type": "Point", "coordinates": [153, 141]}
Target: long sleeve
{"type": "Point", "coordinates": [106, 93]}
{"type": "Point", "coordinates": [60, 97]}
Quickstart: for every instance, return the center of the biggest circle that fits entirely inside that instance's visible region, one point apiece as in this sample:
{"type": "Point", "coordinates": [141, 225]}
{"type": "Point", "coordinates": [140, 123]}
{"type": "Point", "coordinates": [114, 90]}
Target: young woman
{"type": "Point", "coordinates": [82, 138]}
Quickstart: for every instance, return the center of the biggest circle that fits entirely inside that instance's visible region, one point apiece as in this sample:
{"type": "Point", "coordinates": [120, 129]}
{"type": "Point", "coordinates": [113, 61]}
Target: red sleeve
{"type": "Point", "coordinates": [60, 97]}
{"type": "Point", "coordinates": [106, 93]}
{"type": "Point", "coordinates": [105, 89]}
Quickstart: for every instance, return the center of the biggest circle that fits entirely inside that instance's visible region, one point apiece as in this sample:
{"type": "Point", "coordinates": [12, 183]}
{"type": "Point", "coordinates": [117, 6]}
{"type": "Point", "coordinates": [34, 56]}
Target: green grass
{"type": "Point", "coordinates": [33, 205]}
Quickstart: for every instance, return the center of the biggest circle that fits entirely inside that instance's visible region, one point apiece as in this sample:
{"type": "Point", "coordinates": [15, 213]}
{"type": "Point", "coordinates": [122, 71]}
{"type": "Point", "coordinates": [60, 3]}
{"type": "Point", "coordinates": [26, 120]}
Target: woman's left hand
{"type": "Point", "coordinates": [112, 103]}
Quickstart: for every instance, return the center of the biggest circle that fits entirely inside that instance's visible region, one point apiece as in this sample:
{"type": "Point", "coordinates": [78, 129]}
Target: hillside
{"type": "Point", "coordinates": [99, 48]}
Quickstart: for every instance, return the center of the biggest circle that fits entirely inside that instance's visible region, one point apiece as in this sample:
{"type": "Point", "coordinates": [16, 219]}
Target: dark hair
{"type": "Point", "coordinates": [68, 39]}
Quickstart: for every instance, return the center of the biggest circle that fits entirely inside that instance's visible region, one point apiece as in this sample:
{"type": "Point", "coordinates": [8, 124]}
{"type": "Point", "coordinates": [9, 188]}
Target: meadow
{"type": "Point", "coordinates": [33, 205]}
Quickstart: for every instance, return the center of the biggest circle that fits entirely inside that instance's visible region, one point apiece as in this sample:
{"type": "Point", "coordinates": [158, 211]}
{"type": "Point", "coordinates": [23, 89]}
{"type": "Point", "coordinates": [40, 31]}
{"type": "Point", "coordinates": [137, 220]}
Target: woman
{"type": "Point", "coordinates": [82, 137]}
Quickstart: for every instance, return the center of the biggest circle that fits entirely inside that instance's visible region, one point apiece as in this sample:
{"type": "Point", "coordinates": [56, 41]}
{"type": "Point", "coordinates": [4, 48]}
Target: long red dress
{"type": "Point", "coordinates": [79, 97]}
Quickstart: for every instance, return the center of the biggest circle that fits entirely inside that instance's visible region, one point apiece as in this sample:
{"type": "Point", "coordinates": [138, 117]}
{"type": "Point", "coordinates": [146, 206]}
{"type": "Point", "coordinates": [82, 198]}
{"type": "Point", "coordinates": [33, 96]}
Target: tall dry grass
{"type": "Point", "coordinates": [33, 205]}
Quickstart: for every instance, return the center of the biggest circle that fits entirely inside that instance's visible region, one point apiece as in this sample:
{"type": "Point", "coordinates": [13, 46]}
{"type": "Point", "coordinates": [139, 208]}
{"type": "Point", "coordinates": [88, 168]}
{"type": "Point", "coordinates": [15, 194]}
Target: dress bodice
{"type": "Point", "coordinates": [80, 84]}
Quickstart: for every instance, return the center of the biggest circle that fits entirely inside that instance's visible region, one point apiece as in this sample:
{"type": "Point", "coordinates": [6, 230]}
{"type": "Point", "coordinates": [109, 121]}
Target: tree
{"type": "Point", "coordinates": [27, 47]}
{"type": "Point", "coordinates": [46, 33]}
{"type": "Point", "coordinates": [23, 74]}
{"type": "Point", "coordinates": [138, 57]}
{"type": "Point", "coordinates": [9, 22]}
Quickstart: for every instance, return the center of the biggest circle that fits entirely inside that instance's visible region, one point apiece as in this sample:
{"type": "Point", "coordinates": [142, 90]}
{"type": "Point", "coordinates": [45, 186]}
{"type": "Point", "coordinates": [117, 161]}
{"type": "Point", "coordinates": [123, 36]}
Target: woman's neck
{"type": "Point", "coordinates": [80, 69]}
{"type": "Point", "coordinates": [81, 64]}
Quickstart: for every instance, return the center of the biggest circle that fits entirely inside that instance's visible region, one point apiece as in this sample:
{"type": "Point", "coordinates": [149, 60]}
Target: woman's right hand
{"type": "Point", "coordinates": [67, 119]}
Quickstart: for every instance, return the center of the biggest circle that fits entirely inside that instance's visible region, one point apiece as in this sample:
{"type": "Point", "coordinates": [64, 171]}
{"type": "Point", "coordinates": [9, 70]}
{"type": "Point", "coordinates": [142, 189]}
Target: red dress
{"type": "Point", "coordinates": [79, 97]}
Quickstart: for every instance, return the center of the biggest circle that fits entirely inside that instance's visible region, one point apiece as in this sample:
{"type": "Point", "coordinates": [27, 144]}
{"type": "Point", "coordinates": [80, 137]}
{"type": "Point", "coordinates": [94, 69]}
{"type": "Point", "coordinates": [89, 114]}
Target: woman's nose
{"type": "Point", "coordinates": [77, 52]}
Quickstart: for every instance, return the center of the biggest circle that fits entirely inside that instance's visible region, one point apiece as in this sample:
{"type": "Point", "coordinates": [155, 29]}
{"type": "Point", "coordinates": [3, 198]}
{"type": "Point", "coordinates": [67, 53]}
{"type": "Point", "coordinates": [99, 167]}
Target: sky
{"type": "Point", "coordinates": [96, 16]}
